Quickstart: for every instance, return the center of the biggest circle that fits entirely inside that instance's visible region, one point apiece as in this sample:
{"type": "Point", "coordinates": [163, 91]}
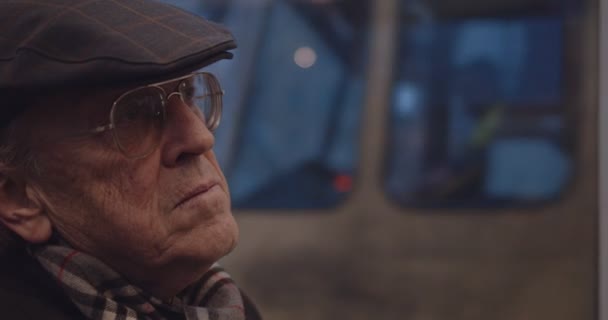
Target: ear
{"type": "Point", "coordinates": [21, 212]}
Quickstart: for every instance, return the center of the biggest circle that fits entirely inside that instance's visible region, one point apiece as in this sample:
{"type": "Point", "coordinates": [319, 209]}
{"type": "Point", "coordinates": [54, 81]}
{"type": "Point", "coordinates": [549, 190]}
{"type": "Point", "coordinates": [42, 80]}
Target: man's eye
{"type": "Point", "coordinates": [133, 113]}
{"type": "Point", "coordinates": [137, 110]}
{"type": "Point", "coordinates": [188, 93]}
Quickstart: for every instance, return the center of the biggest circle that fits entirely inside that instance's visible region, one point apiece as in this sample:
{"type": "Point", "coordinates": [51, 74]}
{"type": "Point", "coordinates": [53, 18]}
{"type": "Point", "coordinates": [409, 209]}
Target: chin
{"type": "Point", "coordinates": [230, 234]}
{"type": "Point", "coordinates": [212, 242]}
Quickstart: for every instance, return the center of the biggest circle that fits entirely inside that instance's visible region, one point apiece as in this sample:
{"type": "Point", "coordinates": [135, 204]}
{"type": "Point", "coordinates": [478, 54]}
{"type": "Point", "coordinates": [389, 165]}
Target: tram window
{"type": "Point", "coordinates": [479, 112]}
{"type": "Point", "coordinates": [293, 99]}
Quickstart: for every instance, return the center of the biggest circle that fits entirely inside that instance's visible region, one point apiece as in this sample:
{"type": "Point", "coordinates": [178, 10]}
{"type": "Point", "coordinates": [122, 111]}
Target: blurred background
{"type": "Point", "coordinates": [412, 159]}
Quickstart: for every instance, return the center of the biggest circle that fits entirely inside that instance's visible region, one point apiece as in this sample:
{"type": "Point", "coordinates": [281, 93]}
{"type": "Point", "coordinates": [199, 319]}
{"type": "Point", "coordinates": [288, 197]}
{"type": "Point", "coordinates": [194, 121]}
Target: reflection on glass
{"type": "Point", "coordinates": [478, 113]}
{"type": "Point", "coordinates": [293, 99]}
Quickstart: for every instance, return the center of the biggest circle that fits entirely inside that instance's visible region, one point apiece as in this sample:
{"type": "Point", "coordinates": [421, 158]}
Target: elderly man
{"type": "Point", "coordinates": [112, 203]}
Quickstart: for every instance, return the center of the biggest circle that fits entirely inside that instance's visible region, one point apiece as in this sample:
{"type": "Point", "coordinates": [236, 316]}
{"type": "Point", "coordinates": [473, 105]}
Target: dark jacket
{"type": "Point", "coordinates": [27, 292]}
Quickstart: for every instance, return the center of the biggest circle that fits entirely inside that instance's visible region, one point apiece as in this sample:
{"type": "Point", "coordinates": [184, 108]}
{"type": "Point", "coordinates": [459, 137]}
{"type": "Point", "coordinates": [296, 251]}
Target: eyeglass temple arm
{"type": "Point", "coordinates": [102, 128]}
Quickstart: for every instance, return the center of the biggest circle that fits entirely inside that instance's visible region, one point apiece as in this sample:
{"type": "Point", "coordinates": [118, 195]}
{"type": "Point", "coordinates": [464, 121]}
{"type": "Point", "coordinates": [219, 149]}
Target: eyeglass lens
{"type": "Point", "coordinates": [138, 116]}
{"type": "Point", "coordinates": [203, 91]}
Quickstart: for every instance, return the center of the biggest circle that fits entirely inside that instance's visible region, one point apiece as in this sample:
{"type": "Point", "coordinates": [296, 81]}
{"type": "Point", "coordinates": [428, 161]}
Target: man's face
{"type": "Point", "coordinates": [165, 217]}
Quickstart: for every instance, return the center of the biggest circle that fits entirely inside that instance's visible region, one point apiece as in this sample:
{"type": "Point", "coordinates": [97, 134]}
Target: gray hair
{"type": "Point", "coordinates": [8, 162]}
{"type": "Point", "coordinates": [15, 155]}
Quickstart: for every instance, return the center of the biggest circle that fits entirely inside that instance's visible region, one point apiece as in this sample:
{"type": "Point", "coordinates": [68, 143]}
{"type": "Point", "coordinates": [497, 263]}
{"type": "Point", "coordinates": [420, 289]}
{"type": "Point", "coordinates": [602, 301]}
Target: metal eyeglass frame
{"type": "Point", "coordinates": [211, 124]}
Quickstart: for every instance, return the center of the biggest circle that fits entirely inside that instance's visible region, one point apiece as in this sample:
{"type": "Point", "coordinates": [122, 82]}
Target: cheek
{"type": "Point", "coordinates": [138, 186]}
{"type": "Point", "coordinates": [99, 188]}
{"type": "Point", "coordinates": [102, 209]}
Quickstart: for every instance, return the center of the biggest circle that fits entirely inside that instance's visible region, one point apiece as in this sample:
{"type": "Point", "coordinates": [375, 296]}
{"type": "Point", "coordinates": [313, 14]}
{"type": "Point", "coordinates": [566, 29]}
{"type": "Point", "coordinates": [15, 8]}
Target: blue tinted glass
{"type": "Point", "coordinates": [293, 99]}
{"type": "Point", "coordinates": [478, 113]}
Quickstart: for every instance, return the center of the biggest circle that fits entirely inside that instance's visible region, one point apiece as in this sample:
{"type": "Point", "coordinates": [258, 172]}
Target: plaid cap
{"type": "Point", "coordinates": [60, 44]}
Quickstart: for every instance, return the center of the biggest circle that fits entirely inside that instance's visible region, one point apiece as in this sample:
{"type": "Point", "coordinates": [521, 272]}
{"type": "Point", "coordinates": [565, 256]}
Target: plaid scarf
{"type": "Point", "coordinates": [101, 293]}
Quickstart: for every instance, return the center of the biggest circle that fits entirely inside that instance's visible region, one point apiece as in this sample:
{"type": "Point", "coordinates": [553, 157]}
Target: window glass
{"type": "Point", "coordinates": [293, 99]}
{"type": "Point", "coordinates": [479, 109]}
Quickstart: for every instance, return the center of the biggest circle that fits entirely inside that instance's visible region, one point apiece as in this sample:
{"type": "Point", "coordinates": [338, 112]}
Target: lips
{"type": "Point", "coordinates": [196, 192]}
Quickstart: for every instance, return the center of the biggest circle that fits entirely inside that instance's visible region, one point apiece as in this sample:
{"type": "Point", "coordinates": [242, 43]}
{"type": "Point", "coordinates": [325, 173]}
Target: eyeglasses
{"type": "Point", "coordinates": [138, 116]}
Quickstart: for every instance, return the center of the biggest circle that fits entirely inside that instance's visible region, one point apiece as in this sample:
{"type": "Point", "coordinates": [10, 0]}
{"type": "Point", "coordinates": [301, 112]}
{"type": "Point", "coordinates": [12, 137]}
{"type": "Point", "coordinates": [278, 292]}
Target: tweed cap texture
{"type": "Point", "coordinates": [60, 44]}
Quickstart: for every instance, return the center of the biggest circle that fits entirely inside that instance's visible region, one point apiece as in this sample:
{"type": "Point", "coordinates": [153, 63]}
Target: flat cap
{"type": "Point", "coordinates": [50, 43]}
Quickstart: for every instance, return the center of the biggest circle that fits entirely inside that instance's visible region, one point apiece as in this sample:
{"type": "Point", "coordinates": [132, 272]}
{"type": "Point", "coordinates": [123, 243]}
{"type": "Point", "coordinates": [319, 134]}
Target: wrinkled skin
{"type": "Point", "coordinates": [124, 211]}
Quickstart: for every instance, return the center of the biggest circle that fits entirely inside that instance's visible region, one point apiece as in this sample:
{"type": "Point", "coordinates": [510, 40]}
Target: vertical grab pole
{"type": "Point", "coordinates": [384, 44]}
{"type": "Point", "coordinates": [603, 161]}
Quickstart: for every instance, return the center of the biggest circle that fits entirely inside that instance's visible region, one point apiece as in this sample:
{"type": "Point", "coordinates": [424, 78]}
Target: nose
{"type": "Point", "coordinates": [185, 134]}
